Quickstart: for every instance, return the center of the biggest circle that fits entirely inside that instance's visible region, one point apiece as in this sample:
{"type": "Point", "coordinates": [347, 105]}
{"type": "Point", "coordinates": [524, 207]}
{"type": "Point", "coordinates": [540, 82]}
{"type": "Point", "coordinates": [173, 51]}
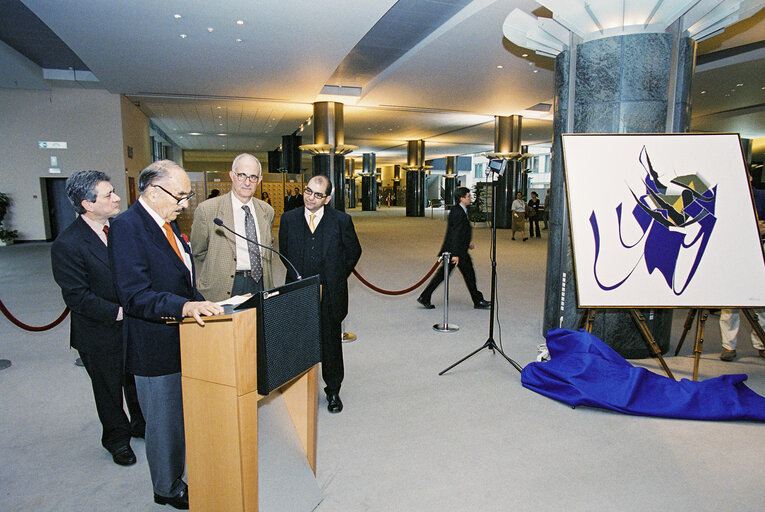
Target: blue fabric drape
{"type": "Point", "coordinates": [583, 370]}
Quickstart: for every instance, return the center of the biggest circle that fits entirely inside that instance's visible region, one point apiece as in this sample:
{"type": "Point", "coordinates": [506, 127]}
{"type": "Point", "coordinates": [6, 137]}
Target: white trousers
{"type": "Point", "coordinates": [729, 324]}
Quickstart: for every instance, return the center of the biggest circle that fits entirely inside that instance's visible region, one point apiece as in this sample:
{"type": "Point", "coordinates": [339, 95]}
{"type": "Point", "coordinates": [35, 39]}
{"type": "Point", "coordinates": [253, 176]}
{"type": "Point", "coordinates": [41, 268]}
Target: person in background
{"type": "Point", "coordinates": [457, 242]}
{"type": "Point", "coordinates": [533, 210]}
{"type": "Point", "coordinates": [519, 216]}
{"type": "Point", "coordinates": [214, 193]}
{"type": "Point", "coordinates": [264, 197]}
{"type": "Point", "coordinates": [80, 261]}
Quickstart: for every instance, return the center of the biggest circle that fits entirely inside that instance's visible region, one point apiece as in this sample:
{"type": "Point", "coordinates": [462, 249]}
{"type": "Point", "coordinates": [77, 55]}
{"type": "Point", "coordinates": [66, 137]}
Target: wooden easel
{"type": "Point", "coordinates": [588, 318]}
{"type": "Point", "coordinates": [698, 347]}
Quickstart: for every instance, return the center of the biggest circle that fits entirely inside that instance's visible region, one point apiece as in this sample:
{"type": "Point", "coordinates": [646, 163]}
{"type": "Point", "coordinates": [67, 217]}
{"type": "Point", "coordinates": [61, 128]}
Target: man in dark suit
{"type": "Point", "coordinates": [154, 277]}
{"type": "Point", "coordinates": [457, 242]}
{"type": "Point", "coordinates": [320, 240]}
{"type": "Point", "coordinates": [80, 262]}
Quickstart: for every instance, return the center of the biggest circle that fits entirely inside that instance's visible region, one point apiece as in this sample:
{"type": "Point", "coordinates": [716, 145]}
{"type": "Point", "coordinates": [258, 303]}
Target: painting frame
{"type": "Point", "coordinates": [662, 221]}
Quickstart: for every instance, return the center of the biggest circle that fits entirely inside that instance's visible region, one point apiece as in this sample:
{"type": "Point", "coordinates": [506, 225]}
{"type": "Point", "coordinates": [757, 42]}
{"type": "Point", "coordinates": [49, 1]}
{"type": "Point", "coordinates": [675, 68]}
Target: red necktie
{"type": "Point", "coordinates": [106, 230]}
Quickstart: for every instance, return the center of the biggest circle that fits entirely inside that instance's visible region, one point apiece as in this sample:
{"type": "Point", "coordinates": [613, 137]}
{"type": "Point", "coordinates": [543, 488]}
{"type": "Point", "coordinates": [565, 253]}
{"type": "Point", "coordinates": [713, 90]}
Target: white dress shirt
{"type": "Point", "coordinates": [242, 254]}
{"type": "Point", "coordinates": [161, 223]}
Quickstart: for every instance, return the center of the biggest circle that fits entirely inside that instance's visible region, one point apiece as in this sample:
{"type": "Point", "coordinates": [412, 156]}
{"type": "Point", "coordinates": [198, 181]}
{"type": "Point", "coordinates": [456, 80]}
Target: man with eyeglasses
{"type": "Point", "coordinates": [154, 278]}
{"type": "Point", "coordinates": [320, 240]}
{"type": "Point", "coordinates": [227, 264]}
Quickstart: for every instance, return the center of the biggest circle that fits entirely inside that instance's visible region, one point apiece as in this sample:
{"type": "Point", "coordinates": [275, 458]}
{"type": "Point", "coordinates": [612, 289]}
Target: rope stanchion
{"type": "Point", "coordinates": [31, 328]}
{"type": "Point", "coordinates": [397, 292]}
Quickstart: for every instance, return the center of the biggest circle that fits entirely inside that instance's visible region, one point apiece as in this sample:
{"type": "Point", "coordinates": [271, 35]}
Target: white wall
{"type": "Point", "coordinates": [88, 120]}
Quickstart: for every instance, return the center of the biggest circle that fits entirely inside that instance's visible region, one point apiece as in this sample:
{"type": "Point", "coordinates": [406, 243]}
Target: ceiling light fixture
{"type": "Point", "coordinates": [210, 29]}
{"type": "Point", "coordinates": [703, 92]}
{"type": "Point", "coordinates": [184, 36]}
{"type": "Point", "coordinates": [222, 134]}
{"type": "Point", "coordinates": [194, 133]}
{"type": "Point", "coordinates": [739, 85]}
{"type": "Point", "coordinates": [238, 40]}
{"type": "Point", "coordinates": [499, 67]}
{"type": "Point", "coordinates": [240, 22]}
{"type": "Point", "coordinates": [177, 16]}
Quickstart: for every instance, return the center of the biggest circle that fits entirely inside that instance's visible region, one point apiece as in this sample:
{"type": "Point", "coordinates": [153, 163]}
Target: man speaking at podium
{"type": "Point", "coordinates": [226, 264]}
{"type": "Point", "coordinates": [154, 278]}
{"type": "Point", "coordinates": [320, 240]}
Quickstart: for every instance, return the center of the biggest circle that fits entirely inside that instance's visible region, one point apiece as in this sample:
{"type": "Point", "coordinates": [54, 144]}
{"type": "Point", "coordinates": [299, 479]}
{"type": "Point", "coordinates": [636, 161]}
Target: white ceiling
{"type": "Point", "coordinates": [445, 90]}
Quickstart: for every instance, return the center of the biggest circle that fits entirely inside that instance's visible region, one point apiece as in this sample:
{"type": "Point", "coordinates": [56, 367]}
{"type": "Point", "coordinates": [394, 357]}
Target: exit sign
{"type": "Point", "coordinates": [48, 144]}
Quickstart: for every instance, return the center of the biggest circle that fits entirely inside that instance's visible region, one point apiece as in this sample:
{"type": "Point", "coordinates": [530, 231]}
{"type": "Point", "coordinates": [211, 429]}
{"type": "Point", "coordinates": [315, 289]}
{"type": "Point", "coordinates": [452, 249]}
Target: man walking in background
{"type": "Point", "coordinates": [457, 242]}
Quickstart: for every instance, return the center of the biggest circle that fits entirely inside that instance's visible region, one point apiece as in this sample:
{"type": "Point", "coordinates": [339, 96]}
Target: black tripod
{"type": "Point", "coordinates": [498, 166]}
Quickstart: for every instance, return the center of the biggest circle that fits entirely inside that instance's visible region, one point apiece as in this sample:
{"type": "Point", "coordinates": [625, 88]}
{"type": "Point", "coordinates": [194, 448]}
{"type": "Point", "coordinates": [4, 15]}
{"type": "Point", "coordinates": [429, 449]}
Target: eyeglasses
{"type": "Point", "coordinates": [247, 177]}
{"type": "Point", "coordinates": [181, 199]}
{"type": "Point", "coordinates": [318, 195]}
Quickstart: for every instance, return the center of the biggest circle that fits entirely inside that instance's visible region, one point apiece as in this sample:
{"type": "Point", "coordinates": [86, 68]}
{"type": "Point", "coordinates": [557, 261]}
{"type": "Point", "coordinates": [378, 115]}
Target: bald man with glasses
{"type": "Point", "coordinates": [226, 264]}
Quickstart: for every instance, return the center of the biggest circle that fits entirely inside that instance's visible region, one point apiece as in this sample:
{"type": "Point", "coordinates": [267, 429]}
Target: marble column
{"type": "Point", "coordinates": [369, 183]}
{"type": "Point", "coordinates": [415, 178]}
{"type": "Point", "coordinates": [638, 83]}
{"type": "Point", "coordinates": [507, 144]}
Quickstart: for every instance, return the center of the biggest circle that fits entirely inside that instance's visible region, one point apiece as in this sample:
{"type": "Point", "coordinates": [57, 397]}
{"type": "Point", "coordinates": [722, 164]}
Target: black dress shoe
{"type": "Point", "coordinates": [181, 501]}
{"type": "Point", "coordinates": [123, 456]}
{"type": "Point", "coordinates": [425, 302]}
{"type": "Point", "coordinates": [334, 404]}
{"type": "Point", "coordinates": [483, 304]}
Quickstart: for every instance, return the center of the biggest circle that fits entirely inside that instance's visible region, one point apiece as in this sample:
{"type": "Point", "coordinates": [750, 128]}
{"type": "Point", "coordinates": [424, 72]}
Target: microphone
{"type": "Point", "coordinates": [219, 222]}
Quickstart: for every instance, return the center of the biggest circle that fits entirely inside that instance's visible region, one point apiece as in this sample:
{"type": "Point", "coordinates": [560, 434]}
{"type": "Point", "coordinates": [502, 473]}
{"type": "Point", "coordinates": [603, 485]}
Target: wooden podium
{"type": "Point", "coordinates": [220, 410]}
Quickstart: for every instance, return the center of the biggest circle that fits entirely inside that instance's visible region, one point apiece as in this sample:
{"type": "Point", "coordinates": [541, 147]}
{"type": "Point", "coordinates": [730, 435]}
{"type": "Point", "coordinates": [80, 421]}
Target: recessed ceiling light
{"type": "Point", "coordinates": [536, 71]}
{"type": "Point", "coordinates": [177, 16]}
{"type": "Point", "coordinates": [499, 67]}
{"type": "Point", "coordinates": [194, 133]}
{"type": "Point", "coordinates": [703, 92]}
{"type": "Point", "coordinates": [184, 36]}
{"type": "Point", "coordinates": [210, 29]}
{"type": "Point", "coordinates": [238, 40]}
{"type": "Point", "coordinates": [222, 134]}
{"type": "Point", "coordinates": [524, 55]}
{"type": "Point", "coordinates": [240, 22]}
{"type": "Point", "coordinates": [218, 107]}
{"type": "Point", "coordinates": [739, 85]}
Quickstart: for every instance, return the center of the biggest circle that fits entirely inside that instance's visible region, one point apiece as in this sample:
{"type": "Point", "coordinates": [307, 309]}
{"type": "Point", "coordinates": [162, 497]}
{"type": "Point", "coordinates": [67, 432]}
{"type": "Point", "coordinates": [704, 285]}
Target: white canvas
{"type": "Point", "coordinates": [697, 212]}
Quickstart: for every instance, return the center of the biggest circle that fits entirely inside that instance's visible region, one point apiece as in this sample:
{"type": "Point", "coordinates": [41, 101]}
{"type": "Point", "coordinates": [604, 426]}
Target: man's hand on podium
{"type": "Point", "coordinates": [198, 309]}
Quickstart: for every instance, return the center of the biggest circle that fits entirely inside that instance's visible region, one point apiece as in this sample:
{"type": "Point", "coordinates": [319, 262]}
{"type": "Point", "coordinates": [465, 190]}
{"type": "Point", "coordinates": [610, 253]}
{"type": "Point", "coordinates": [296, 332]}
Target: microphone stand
{"type": "Point", "coordinates": [490, 344]}
{"type": "Point", "coordinates": [219, 222]}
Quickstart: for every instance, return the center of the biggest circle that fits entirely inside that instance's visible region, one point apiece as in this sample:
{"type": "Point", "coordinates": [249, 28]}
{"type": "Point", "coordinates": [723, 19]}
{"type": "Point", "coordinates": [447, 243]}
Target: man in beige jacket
{"type": "Point", "coordinates": [226, 264]}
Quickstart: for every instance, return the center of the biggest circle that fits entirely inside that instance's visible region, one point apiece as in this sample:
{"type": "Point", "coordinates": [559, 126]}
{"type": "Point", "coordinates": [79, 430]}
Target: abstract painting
{"type": "Point", "coordinates": [662, 220]}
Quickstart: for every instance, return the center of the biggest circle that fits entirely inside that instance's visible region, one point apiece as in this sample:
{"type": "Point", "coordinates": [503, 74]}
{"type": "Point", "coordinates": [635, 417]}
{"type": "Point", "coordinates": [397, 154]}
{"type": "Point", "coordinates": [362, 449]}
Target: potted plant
{"type": "Point", "coordinates": [477, 211]}
{"type": "Point", "coordinates": [6, 235]}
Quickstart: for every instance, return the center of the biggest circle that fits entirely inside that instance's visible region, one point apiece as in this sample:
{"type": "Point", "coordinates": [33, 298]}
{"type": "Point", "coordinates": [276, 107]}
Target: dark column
{"type": "Point", "coordinates": [369, 183]}
{"type": "Point", "coordinates": [336, 174]}
{"type": "Point", "coordinates": [507, 144]}
{"type": "Point", "coordinates": [621, 85]}
{"type": "Point", "coordinates": [450, 181]}
{"type": "Point", "coordinates": [415, 178]}
{"type": "Point", "coordinates": [415, 193]}
{"type": "Point", "coordinates": [329, 148]}
{"type": "Point", "coordinates": [350, 183]}
{"type": "Point", "coordinates": [274, 160]}
{"type": "Point", "coordinates": [291, 156]}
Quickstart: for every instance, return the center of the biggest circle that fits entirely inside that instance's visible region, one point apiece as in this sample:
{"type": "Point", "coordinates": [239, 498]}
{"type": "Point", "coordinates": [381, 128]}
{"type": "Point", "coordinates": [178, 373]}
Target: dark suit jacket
{"type": "Point", "coordinates": [340, 253]}
{"type": "Point", "coordinates": [458, 233]}
{"type": "Point", "coordinates": [152, 285]}
{"type": "Point", "coordinates": [80, 262]}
